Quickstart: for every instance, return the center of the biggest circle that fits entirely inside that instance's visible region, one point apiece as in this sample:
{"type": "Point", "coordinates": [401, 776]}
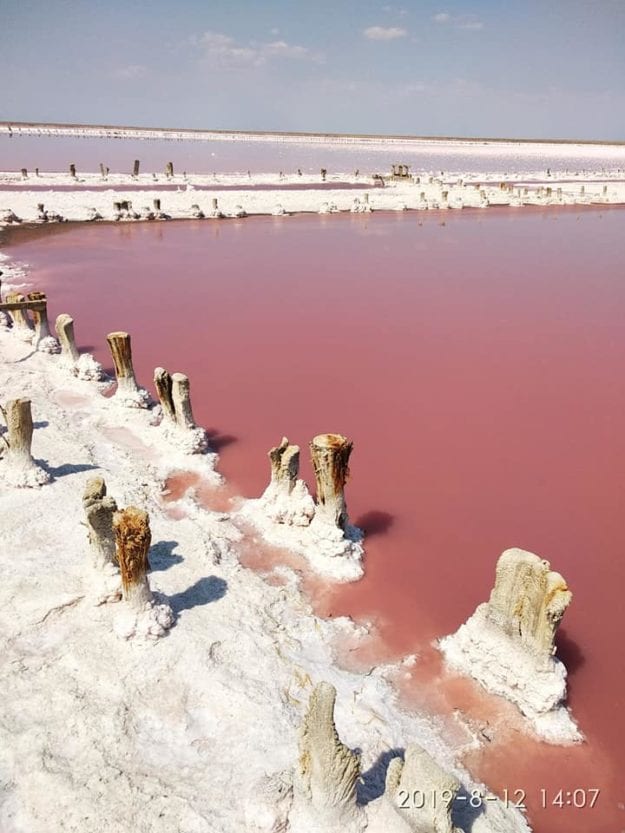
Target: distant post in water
{"type": "Point", "coordinates": [330, 458]}
{"type": "Point", "coordinates": [135, 169]}
{"type": "Point", "coordinates": [169, 170]}
{"type": "Point", "coordinates": [72, 170]}
{"type": "Point", "coordinates": [24, 173]}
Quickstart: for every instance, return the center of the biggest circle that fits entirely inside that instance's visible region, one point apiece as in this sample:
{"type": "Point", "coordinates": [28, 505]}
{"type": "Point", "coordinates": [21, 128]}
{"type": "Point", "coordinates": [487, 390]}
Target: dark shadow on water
{"type": "Point", "coordinates": [375, 522]}
{"type": "Point", "coordinates": [204, 591]}
{"type": "Point", "coordinates": [371, 784]}
{"type": "Point", "coordinates": [218, 441]}
{"type": "Point", "coordinates": [569, 652]}
{"type": "Point", "coordinates": [162, 555]}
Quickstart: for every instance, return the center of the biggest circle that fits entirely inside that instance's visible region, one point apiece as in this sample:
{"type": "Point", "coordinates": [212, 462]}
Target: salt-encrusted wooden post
{"type": "Point", "coordinates": [284, 466]}
{"type": "Point", "coordinates": [23, 470]}
{"type": "Point", "coordinates": [19, 421]}
{"type": "Point", "coordinates": [181, 397]}
{"type": "Point", "coordinates": [72, 170]}
{"type": "Point", "coordinates": [135, 169]}
{"type": "Point", "coordinates": [102, 174]}
{"type": "Point", "coordinates": [40, 316]}
{"type": "Point", "coordinates": [132, 542]}
{"type": "Point", "coordinates": [20, 317]}
{"type": "Point", "coordinates": [157, 204]}
{"type": "Point", "coordinates": [24, 173]}
{"type": "Point", "coordinates": [99, 510]}
{"type": "Point", "coordinates": [324, 174]}
{"type": "Point", "coordinates": [327, 771]}
{"type": "Point", "coordinates": [430, 789]}
{"type": "Point", "coordinates": [64, 327]}
{"type": "Point", "coordinates": [169, 170]}
{"type": "Point", "coordinates": [127, 387]}
{"type": "Point", "coordinates": [163, 384]}
{"type": "Point", "coordinates": [330, 457]}
{"type": "Point", "coordinates": [528, 600]}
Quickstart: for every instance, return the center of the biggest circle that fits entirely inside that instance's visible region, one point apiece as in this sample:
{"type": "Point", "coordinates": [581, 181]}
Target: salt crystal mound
{"type": "Point", "coordinates": [507, 644]}
{"type": "Point", "coordinates": [290, 521]}
{"type": "Point", "coordinates": [152, 621]}
{"type": "Point", "coordinates": [48, 344]}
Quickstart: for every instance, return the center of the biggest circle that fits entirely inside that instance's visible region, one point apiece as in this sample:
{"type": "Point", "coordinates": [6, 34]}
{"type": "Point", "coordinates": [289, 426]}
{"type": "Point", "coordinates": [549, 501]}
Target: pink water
{"type": "Point", "coordinates": [475, 358]}
{"type": "Point", "coordinates": [54, 153]}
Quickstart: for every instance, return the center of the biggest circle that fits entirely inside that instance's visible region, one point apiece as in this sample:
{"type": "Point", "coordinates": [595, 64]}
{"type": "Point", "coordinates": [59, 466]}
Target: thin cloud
{"type": "Point", "coordinates": [384, 33]}
{"type": "Point", "coordinates": [225, 52]}
{"type": "Point", "coordinates": [462, 21]}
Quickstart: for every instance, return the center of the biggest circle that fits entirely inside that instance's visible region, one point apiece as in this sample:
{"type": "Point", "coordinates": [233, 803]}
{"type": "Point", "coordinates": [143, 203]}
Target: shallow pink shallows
{"type": "Point", "coordinates": [475, 358]}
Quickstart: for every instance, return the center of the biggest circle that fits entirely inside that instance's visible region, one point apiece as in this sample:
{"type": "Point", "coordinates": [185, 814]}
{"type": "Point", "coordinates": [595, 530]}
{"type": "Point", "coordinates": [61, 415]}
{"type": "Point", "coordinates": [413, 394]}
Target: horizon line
{"type": "Point", "coordinates": [9, 125]}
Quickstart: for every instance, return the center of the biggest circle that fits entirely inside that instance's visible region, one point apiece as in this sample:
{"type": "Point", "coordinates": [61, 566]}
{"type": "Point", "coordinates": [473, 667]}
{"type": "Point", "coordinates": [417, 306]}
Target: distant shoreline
{"type": "Point", "coordinates": [19, 127]}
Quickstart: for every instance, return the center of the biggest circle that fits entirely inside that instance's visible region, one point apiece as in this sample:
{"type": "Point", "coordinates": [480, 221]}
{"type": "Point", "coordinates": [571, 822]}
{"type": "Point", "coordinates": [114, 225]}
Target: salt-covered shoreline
{"type": "Point", "coordinates": [419, 192]}
{"type": "Point", "coordinates": [192, 732]}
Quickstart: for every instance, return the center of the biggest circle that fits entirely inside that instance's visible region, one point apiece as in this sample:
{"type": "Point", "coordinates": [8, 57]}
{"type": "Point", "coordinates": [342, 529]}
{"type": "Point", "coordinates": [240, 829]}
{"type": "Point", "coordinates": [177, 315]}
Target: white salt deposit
{"type": "Point", "coordinates": [195, 732]}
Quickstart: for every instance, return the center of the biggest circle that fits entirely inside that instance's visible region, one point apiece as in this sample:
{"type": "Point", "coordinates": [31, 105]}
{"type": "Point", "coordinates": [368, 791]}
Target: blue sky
{"type": "Point", "coordinates": [540, 68]}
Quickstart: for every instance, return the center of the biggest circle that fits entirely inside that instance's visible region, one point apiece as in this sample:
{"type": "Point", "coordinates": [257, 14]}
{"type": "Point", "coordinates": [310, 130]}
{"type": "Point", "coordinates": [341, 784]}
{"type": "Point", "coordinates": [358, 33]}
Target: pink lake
{"type": "Point", "coordinates": [476, 360]}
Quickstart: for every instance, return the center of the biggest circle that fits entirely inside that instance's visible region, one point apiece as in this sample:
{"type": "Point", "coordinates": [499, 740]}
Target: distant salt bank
{"type": "Point", "coordinates": [190, 134]}
{"type": "Point", "coordinates": [78, 196]}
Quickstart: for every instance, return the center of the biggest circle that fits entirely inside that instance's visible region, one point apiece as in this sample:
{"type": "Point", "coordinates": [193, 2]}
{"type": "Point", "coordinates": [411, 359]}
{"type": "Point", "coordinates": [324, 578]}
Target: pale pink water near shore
{"type": "Point", "coordinates": [476, 359]}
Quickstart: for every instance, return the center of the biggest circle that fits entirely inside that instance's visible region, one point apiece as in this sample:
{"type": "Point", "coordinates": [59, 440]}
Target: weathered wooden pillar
{"type": "Point", "coordinates": [24, 173]}
{"type": "Point", "coordinates": [528, 600]}
{"type": "Point", "coordinates": [102, 174]}
{"type": "Point", "coordinates": [64, 327]}
{"type": "Point", "coordinates": [99, 510]}
{"type": "Point", "coordinates": [157, 204]}
{"type": "Point", "coordinates": [430, 789]}
{"type": "Point", "coordinates": [23, 470]}
{"type": "Point", "coordinates": [181, 398]}
{"type": "Point", "coordinates": [20, 317]}
{"type": "Point", "coordinates": [19, 421]}
{"type": "Point", "coordinates": [169, 170]}
{"type": "Point", "coordinates": [72, 170]}
{"type": "Point", "coordinates": [163, 384]}
{"type": "Point", "coordinates": [135, 169]}
{"type": "Point", "coordinates": [132, 542]}
{"type": "Point", "coordinates": [324, 174]}
{"type": "Point", "coordinates": [40, 316]}
{"type": "Point", "coordinates": [284, 466]}
{"type": "Point", "coordinates": [330, 457]}
{"type": "Point", "coordinates": [327, 771]}
{"type": "Point", "coordinates": [127, 387]}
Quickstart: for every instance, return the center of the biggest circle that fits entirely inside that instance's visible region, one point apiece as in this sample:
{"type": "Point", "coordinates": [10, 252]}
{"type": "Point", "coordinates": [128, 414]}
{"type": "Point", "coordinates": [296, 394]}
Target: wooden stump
{"type": "Point", "coordinates": [132, 541]}
{"type": "Point", "coordinates": [163, 385]}
{"type": "Point", "coordinates": [284, 466]}
{"type": "Point", "coordinates": [135, 168]}
{"type": "Point", "coordinates": [121, 351]}
{"type": "Point", "coordinates": [64, 327]}
{"type": "Point", "coordinates": [99, 510]}
{"type": "Point", "coordinates": [181, 397]}
{"type": "Point", "coordinates": [20, 317]}
{"type": "Point", "coordinates": [20, 431]}
{"type": "Point", "coordinates": [330, 458]}
{"type": "Point", "coordinates": [40, 317]}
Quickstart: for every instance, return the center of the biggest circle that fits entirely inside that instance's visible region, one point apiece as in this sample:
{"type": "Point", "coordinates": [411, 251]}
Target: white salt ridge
{"type": "Point", "coordinates": [192, 732]}
{"type": "Point", "coordinates": [483, 651]}
{"type": "Point", "coordinates": [431, 193]}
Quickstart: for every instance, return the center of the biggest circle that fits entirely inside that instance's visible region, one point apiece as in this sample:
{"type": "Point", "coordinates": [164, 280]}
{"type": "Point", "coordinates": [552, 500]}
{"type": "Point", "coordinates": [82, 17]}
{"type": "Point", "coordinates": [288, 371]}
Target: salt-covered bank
{"type": "Point", "coordinates": [76, 196]}
{"type": "Point", "coordinates": [219, 725]}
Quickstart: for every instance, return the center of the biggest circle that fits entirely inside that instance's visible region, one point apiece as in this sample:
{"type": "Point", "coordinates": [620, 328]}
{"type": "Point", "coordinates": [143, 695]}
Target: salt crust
{"type": "Point", "coordinates": [438, 193]}
{"type": "Point", "coordinates": [537, 686]}
{"type": "Point", "coordinates": [196, 732]}
{"type": "Point", "coordinates": [289, 520]}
